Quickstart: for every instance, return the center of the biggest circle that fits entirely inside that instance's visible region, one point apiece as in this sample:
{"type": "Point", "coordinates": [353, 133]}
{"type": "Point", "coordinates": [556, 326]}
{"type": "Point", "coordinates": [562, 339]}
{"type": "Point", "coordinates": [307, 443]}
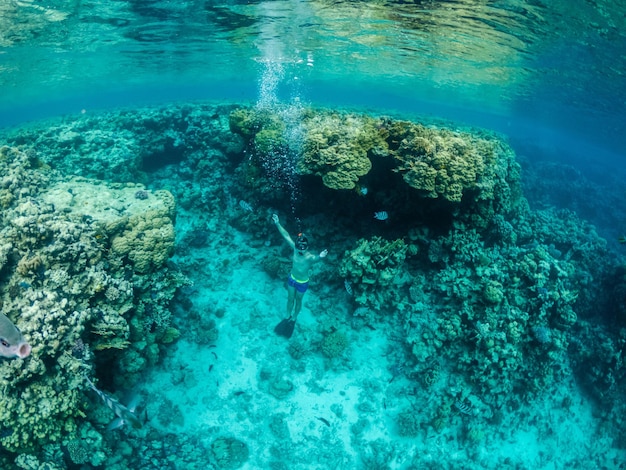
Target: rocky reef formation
{"type": "Point", "coordinates": [352, 152]}
{"type": "Point", "coordinates": [88, 307]}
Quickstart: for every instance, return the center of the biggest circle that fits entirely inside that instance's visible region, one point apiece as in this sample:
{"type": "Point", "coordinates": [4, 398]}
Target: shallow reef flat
{"type": "Point", "coordinates": [450, 326]}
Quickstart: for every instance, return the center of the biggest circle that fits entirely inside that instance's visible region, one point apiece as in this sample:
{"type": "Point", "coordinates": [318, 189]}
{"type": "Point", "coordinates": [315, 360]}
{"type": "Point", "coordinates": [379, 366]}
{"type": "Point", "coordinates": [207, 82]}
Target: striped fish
{"type": "Point", "coordinates": [463, 407]}
{"type": "Point", "coordinates": [245, 206]}
{"type": "Point", "coordinates": [348, 285]}
{"type": "Point", "coordinates": [382, 215]}
{"type": "Point", "coordinates": [125, 414]}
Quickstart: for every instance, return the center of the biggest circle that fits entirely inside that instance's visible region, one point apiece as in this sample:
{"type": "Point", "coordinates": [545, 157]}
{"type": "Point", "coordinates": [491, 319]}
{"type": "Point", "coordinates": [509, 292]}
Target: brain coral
{"type": "Point", "coordinates": [147, 240]}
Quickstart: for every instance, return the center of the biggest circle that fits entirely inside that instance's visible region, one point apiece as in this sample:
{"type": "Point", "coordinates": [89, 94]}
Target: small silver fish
{"type": "Point", "coordinates": [12, 343]}
{"type": "Point", "coordinates": [361, 190]}
{"type": "Point", "coordinates": [245, 206]}
{"type": "Point", "coordinates": [348, 285]}
{"type": "Point", "coordinates": [125, 414]}
{"type": "Point", "coordinates": [382, 215]}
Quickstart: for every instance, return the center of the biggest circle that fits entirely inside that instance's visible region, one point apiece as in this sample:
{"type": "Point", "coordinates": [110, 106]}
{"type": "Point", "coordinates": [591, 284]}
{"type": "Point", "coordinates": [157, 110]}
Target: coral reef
{"type": "Point", "coordinates": [72, 296]}
{"type": "Point", "coordinates": [475, 303]}
{"type": "Point", "coordinates": [334, 344]}
{"type": "Point", "coordinates": [344, 149]}
{"type": "Point", "coordinates": [139, 230]}
{"type": "Point", "coordinates": [371, 268]}
{"type": "Point", "coordinates": [121, 146]}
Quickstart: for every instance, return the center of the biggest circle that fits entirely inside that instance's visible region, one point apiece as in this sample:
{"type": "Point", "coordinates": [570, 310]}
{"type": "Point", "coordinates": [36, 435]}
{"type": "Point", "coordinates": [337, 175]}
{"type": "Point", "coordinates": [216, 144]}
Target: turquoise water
{"type": "Point", "coordinates": [460, 161]}
{"type": "Point", "coordinates": [558, 64]}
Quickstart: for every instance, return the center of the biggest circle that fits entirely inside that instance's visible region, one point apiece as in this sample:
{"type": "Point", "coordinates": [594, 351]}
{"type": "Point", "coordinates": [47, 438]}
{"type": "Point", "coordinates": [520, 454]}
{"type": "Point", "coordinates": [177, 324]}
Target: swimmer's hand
{"type": "Point", "coordinates": [323, 254]}
{"type": "Point", "coordinates": [275, 218]}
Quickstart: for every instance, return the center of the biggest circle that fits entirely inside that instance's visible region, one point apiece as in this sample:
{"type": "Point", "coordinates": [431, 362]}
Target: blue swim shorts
{"type": "Point", "coordinates": [299, 286]}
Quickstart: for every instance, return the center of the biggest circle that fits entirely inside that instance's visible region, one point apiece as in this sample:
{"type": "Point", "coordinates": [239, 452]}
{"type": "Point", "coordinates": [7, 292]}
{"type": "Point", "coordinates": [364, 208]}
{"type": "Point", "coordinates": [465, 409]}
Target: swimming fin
{"type": "Point", "coordinates": [285, 328]}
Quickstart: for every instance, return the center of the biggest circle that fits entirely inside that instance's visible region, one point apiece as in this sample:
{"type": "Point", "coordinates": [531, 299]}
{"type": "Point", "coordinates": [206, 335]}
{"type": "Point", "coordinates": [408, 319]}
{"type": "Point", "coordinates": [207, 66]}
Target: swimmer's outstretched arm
{"type": "Point", "coordinates": [282, 231]}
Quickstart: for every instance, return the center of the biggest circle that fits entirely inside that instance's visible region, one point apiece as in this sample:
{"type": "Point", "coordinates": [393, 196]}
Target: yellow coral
{"type": "Point", "coordinates": [147, 238]}
{"type": "Point", "coordinates": [336, 148]}
{"type": "Point", "coordinates": [147, 241]}
{"type": "Point", "coordinates": [442, 163]}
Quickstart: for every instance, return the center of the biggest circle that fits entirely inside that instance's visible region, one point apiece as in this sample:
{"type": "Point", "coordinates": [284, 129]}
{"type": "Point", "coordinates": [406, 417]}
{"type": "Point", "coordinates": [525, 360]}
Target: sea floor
{"type": "Point", "coordinates": [314, 412]}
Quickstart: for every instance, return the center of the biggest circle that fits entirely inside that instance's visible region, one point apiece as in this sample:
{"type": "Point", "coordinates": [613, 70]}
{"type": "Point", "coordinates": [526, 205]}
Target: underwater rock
{"type": "Point", "coordinates": [229, 453]}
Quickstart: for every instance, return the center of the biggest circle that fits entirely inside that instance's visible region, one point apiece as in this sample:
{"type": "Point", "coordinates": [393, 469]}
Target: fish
{"type": "Point", "coordinates": [463, 407]}
{"type": "Point", "coordinates": [125, 414]}
{"type": "Point", "coordinates": [382, 215]}
{"type": "Point", "coordinates": [348, 285]}
{"type": "Point", "coordinates": [324, 420]}
{"type": "Point", "coordinates": [12, 343]}
{"type": "Point", "coordinates": [622, 239]}
{"type": "Point", "coordinates": [245, 206]}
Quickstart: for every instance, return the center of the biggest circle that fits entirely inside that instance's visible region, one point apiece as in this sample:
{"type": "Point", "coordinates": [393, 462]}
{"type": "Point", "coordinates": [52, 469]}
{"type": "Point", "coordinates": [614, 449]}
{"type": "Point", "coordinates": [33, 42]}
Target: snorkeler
{"type": "Point", "coordinates": [298, 280]}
